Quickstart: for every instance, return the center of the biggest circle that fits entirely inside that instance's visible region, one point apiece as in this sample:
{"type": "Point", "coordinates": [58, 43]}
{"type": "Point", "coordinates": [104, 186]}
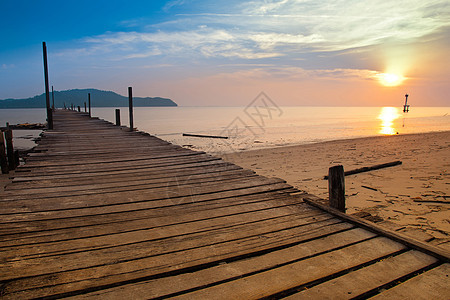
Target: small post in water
{"type": "Point", "coordinates": [89, 104]}
{"type": "Point", "coordinates": [117, 117]}
{"type": "Point", "coordinates": [10, 149]}
{"type": "Point", "coordinates": [79, 108]}
{"type": "Point", "coordinates": [53, 99]}
{"type": "Point", "coordinates": [130, 104]}
{"type": "Point", "coordinates": [3, 159]}
{"type": "Point", "coordinates": [336, 187]}
{"type": "Point", "coordinates": [85, 109]}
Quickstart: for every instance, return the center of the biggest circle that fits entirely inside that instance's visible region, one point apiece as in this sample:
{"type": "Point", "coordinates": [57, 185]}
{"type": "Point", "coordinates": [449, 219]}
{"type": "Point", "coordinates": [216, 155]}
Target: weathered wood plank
{"type": "Point", "coordinates": [152, 219]}
{"type": "Point", "coordinates": [371, 277]}
{"type": "Point", "coordinates": [166, 286]}
{"type": "Point", "coordinates": [128, 182]}
{"type": "Point", "coordinates": [53, 208]}
{"type": "Point", "coordinates": [73, 245]}
{"type": "Point", "coordinates": [433, 284]}
{"type": "Point", "coordinates": [181, 167]}
{"type": "Point", "coordinates": [119, 177]}
{"type": "Point", "coordinates": [131, 270]}
{"type": "Point", "coordinates": [298, 273]}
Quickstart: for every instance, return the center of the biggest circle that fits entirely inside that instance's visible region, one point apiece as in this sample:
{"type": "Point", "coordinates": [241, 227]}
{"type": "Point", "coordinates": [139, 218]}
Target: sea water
{"type": "Point", "coordinates": [258, 126]}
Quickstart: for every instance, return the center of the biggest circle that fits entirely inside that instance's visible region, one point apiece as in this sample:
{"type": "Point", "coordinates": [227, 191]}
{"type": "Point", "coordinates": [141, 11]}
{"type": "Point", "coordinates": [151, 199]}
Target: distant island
{"type": "Point", "coordinates": [79, 96]}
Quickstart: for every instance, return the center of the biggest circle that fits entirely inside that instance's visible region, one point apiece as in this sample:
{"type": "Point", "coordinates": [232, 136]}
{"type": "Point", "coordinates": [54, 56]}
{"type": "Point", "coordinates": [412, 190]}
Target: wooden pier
{"type": "Point", "coordinates": [98, 211]}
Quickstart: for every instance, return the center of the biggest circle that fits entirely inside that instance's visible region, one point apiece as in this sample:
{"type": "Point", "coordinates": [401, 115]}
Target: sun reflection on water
{"type": "Point", "coordinates": [387, 116]}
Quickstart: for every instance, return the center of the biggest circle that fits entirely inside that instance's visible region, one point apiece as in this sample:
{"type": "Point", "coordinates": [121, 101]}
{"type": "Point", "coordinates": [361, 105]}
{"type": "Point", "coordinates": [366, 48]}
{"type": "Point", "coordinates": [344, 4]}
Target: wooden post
{"type": "Point", "coordinates": [10, 149]}
{"type": "Point", "coordinates": [53, 99]}
{"type": "Point", "coordinates": [79, 108]}
{"type": "Point", "coordinates": [3, 159]}
{"type": "Point", "coordinates": [47, 94]}
{"type": "Point", "coordinates": [85, 110]}
{"type": "Point", "coordinates": [130, 105]}
{"type": "Point", "coordinates": [336, 187]}
{"type": "Point", "coordinates": [89, 104]}
{"type": "Point", "coordinates": [16, 158]}
{"type": "Point", "coordinates": [117, 117]}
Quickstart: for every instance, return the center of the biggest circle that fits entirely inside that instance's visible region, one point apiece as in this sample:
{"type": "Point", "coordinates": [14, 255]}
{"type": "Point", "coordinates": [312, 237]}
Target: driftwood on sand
{"type": "Point", "coordinates": [366, 169]}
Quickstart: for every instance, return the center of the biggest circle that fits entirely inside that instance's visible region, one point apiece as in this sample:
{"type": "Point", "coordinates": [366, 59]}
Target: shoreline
{"type": "Point", "coordinates": [411, 198]}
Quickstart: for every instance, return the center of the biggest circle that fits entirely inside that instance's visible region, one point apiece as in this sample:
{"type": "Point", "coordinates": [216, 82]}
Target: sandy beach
{"type": "Point", "coordinates": [411, 198]}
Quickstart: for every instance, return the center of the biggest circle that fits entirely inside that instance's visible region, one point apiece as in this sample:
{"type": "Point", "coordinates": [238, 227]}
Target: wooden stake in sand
{"type": "Point", "coordinates": [336, 187]}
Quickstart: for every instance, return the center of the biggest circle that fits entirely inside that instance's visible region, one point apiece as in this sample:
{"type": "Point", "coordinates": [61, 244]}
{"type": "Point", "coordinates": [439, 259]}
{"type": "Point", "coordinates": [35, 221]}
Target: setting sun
{"type": "Point", "coordinates": [390, 79]}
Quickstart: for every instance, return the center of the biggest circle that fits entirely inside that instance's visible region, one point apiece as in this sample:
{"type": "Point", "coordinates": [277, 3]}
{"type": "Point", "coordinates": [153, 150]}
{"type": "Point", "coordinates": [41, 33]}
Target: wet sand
{"type": "Point", "coordinates": [411, 198]}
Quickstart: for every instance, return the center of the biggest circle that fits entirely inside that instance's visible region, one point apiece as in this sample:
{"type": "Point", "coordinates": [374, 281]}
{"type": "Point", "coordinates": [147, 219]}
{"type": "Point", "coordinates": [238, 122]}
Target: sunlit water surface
{"type": "Point", "coordinates": [259, 127]}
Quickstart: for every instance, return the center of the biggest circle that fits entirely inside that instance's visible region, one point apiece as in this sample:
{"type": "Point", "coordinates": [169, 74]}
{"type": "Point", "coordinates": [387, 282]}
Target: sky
{"type": "Point", "coordinates": [224, 53]}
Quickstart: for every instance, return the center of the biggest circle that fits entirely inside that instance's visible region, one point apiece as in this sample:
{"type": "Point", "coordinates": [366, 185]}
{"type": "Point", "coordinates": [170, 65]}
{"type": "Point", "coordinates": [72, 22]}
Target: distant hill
{"type": "Point", "coordinates": [79, 96]}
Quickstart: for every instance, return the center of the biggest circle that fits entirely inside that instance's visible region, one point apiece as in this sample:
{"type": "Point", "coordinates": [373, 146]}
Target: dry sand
{"type": "Point", "coordinates": [412, 198]}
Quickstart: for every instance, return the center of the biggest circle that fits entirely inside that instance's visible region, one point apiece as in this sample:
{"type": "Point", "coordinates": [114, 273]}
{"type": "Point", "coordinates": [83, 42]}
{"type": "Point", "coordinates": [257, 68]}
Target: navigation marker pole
{"type": "Point", "coordinates": [406, 106]}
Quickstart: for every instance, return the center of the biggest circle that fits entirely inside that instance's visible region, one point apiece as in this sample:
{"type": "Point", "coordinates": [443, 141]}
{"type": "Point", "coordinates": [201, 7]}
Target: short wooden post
{"type": "Point", "coordinates": [89, 104]}
{"type": "Point", "coordinates": [336, 187]}
{"type": "Point", "coordinates": [10, 149]}
{"type": "Point", "coordinates": [53, 99]}
{"type": "Point", "coordinates": [117, 117]}
{"type": "Point", "coordinates": [130, 106]}
{"type": "Point", "coordinates": [3, 159]}
{"type": "Point", "coordinates": [85, 109]}
{"type": "Point", "coordinates": [79, 108]}
{"type": "Point", "coordinates": [16, 158]}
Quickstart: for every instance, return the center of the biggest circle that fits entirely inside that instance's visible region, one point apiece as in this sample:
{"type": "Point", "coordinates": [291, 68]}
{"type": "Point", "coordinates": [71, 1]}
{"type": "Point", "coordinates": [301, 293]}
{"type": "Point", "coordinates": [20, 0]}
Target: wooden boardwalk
{"type": "Point", "coordinates": [98, 211]}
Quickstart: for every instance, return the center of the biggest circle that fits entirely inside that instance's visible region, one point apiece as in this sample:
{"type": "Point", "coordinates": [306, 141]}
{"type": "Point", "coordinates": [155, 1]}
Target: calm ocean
{"type": "Point", "coordinates": [257, 126]}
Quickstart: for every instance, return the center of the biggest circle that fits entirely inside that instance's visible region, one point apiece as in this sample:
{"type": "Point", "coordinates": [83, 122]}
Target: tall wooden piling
{"type": "Point", "coordinates": [130, 106]}
{"type": "Point", "coordinates": [47, 93]}
{"type": "Point", "coordinates": [10, 149]}
{"type": "Point", "coordinates": [89, 104]}
{"type": "Point", "coordinates": [336, 187]}
{"type": "Point", "coordinates": [3, 159]}
{"type": "Point", "coordinates": [117, 117]}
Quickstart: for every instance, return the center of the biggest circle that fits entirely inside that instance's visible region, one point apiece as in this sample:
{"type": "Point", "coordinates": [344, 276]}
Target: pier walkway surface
{"type": "Point", "coordinates": [98, 211]}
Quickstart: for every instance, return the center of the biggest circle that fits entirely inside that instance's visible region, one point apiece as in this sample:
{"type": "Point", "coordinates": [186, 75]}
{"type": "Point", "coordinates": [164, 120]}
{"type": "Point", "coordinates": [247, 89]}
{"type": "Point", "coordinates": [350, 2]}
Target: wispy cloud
{"type": "Point", "coordinates": [344, 24]}
{"type": "Point", "coordinates": [203, 41]}
{"type": "Point", "coordinates": [169, 5]}
{"type": "Point", "coordinates": [292, 31]}
{"type": "Point", "coordinates": [288, 73]}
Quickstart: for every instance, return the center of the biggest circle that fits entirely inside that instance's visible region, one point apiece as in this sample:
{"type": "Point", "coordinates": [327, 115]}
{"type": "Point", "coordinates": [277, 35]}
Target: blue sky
{"type": "Point", "coordinates": [220, 53]}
